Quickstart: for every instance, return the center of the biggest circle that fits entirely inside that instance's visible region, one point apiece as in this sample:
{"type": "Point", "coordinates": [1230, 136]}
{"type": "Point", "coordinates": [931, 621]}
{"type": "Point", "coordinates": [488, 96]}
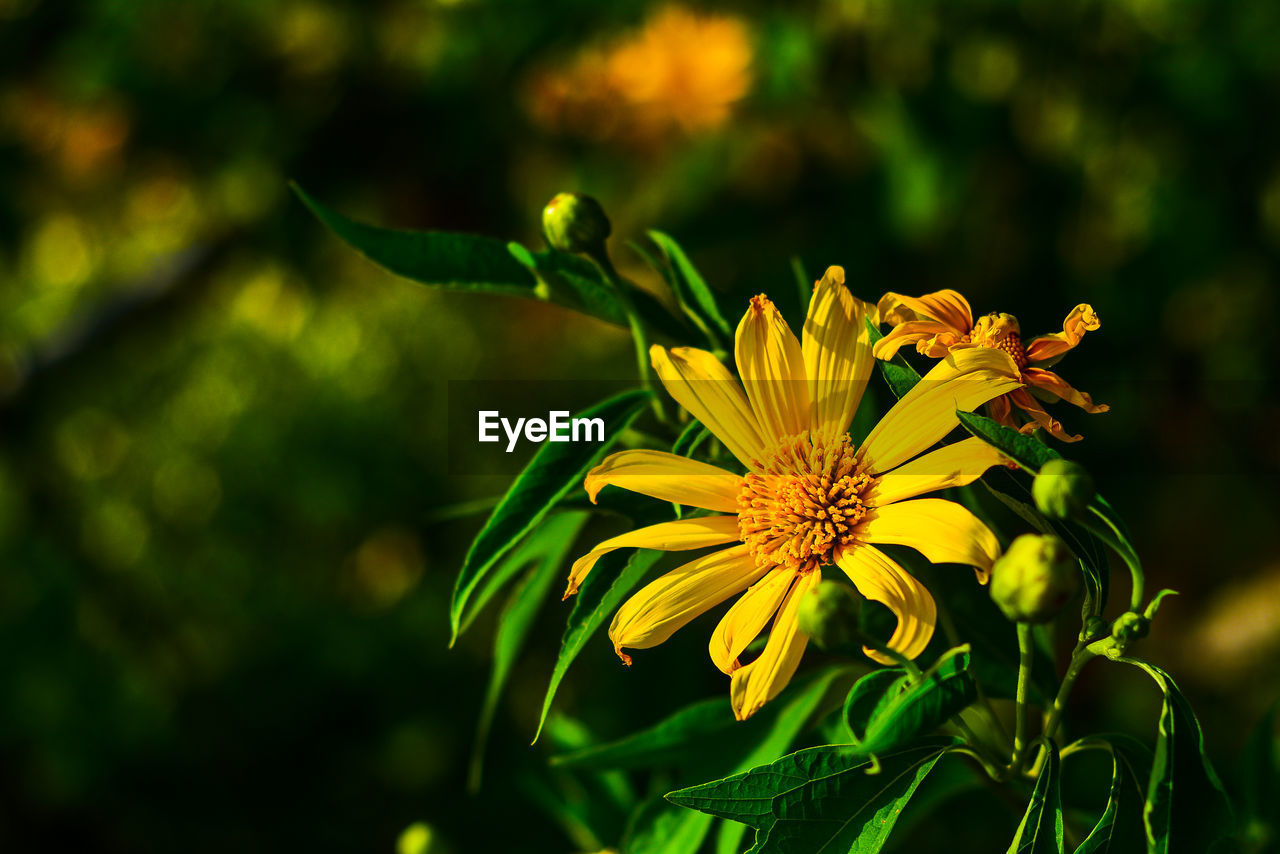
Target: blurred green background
{"type": "Point", "coordinates": [222, 592]}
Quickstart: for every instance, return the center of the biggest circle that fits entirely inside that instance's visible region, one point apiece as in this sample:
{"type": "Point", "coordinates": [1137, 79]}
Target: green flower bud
{"type": "Point", "coordinates": [831, 614]}
{"type": "Point", "coordinates": [1094, 628]}
{"type": "Point", "coordinates": [1034, 578]}
{"type": "Point", "coordinates": [1130, 627]}
{"type": "Point", "coordinates": [1062, 489]}
{"type": "Point", "coordinates": [573, 222]}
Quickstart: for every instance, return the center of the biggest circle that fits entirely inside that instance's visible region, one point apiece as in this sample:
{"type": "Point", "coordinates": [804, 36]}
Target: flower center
{"type": "Point", "coordinates": [1001, 332]}
{"type": "Point", "coordinates": [805, 503]}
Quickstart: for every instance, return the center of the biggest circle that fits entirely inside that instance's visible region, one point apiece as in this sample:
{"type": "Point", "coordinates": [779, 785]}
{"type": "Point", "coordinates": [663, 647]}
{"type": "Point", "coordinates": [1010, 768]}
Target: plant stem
{"type": "Point", "coordinates": [1025, 655]}
{"type": "Point", "coordinates": [1110, 535]}
{"type": "Point", "coordinates": [638, 335]}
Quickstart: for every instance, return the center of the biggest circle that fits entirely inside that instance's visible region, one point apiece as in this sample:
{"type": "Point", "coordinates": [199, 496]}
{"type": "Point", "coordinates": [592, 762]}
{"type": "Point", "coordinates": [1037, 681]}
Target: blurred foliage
{"type": "Point", "coordinates": [222, 614]}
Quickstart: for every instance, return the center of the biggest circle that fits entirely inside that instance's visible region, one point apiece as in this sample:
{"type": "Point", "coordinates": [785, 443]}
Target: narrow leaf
{"type": "Point", "coordinates": [438, 258]}
{"type": "Point", "coordinates": [556, 469]}
{"type": "Point", "coordinates": [1187, 808]}
{"type": "Point", "coordinates": [1041, 828]}
{"type": "Point", "coordinates": [556, 538]}
{"type": "Point", "coordinates": [601, 594]}
{"type": "Point", "coordinates": [689, 285]}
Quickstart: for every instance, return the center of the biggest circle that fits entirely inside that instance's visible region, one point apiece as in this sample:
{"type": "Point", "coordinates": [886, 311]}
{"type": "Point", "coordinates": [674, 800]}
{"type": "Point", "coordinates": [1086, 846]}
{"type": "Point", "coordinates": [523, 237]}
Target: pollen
{"type": "Point", "coordinates": [804, 504]}
{"type": "Point", "coordinates": [1001, 332]}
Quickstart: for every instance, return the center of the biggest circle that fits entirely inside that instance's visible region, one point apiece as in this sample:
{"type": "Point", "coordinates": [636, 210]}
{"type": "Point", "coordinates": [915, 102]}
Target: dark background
{"type": "Point", "coordinates": [223, 591]}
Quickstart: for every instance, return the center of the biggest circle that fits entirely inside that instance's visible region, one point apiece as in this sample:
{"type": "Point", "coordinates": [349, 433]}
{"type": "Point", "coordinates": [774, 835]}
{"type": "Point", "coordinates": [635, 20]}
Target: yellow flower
{"type": "Point", "coordinates": [810, 498]}
{"type": "Point", "coordinates": [941, 323]}
{"type": "Point", "coordinates": [680, 74]}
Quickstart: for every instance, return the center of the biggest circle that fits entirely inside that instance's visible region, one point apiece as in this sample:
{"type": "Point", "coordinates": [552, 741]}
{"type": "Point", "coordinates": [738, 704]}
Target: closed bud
{"type": "Point", "coordinates": [1130, 627]}
{"type": "Point", "coordinates": [1034, 578]}
{"type": "Point", "coordinates": [573, 222]}
{"type": "Point", "coordinates": [1062, 489]}
{"type": "Point", "coordinates": [831, 614]}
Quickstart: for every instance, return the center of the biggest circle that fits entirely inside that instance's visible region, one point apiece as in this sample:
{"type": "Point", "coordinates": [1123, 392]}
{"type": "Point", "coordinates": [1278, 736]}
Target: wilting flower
{"type": "Point", "coordinates": [941, 323]}
{"type": "Point", "coordinates": [809, 497]}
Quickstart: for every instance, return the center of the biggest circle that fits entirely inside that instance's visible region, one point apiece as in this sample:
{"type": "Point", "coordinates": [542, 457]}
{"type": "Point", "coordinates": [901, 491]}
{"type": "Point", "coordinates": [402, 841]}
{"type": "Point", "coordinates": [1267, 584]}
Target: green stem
{"type": "Point", "coordinates": [1111, 535]}
{"type": "Point", "coordinates": [1026, 652]}
{"type": "Point", "coordinates": [638, 335]}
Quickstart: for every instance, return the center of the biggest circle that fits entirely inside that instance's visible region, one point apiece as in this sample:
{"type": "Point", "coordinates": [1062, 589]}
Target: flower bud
{"type": "Point", "coordinates": [1130, 627]}
{"type": "Point", "coordinates": [831, 614]}
{"type": "Point", "coordinates": [1034, 578]}
{"type": "Point", "coordinates": [1062, 489]}
{"type": "Point", "coordinates": [573, 222]}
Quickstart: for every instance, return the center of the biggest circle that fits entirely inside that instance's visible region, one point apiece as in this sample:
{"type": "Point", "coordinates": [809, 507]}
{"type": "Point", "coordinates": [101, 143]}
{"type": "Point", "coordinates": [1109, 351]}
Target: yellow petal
{"type": "Point", "coordinates": [1047, 349]}
{"type": "Point", "coordinates": [930, 337]}
{"type": "Point", "coordinates": [746, 619]}
{"type": "Point", "coordinates": [758, 682]}
{"type": "Point", "coordinates": [668, 477]}
{"type": "Point", "coordinates": [881, 580]}
{"type": "Point", "coordinates": [771, 365]}
{"type": "Point", "coordinates": [696, 380]}
{"type": "Point", "coordinates": [680, 535]}
{"type": "Point", "coordinates": [837, 353]}
{"type": "Point", "coordinates": [946, 306]}
{"type": "Point", "coordinates": [964, 380]}
{"type": "Point", "coordinates": [941, 530]}
{"type": "Point", "coordinates": [1061, 389]}
{"type": "Point", "coordinates": [661, 607]}
{"type": "Point", "coordinates": [952, 465]}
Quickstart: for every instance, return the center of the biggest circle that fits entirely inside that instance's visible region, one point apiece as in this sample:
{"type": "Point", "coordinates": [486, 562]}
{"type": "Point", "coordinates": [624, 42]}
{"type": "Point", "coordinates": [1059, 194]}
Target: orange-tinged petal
{"type": "Point", "coordinates": [945, 306]}
{"type": "Point", "coordinates": [1057, 386]}
{"type": "Point", "coordinates": [951, 465]}
{"type": "Point", "coordinates": [1049, 348]}
{"type": "Point", "coordinates": [758, 682]}
{"type": "Point", "coordinates": [668, 477]}
{"type": "Point", "coordinates": [696, 380]}
{"type": "Point", "coordinates": [964, 380]}
{"type": "Point", "coordinates": [680, 535]}
{"type": "Point", "coordinates": [1028, 404]}
{"type": "Point", "coordinates": [941, 530]}
{"type": "Point", "coordinates": [881, 580]}
{"type": "Point", "coordinates": [748, 616]}
{"type": "Point", "coordinates": [1001, 411]}
{"type": "Point", "coordinates": [771, 365]}
{"type": "Point", "coordinates": [670, 602]}
{"type": "Point", "coordinates": [837, 353]}
{"type": "Point", "coordinates": [930, 337]}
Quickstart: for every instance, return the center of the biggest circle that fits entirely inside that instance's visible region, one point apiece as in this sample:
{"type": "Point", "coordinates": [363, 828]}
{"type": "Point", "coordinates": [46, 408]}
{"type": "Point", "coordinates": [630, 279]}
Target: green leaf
{"type": "Point", "coordinates": [442, 259]}
{"type": "Point", "coordinates": [467, 262]}
{"type": "Point", "coordinates": [821, 799]}
{"type": "Point", "coordinates": [900, 376]}
{"type": "Point", "coordinates": [1041, 827]}
{"type": "Point", "coordinates": [906, 710]}
{"type": "Point", "coordinates": [694, 732]}
{"type": "Point", "coordinates": [739, 747]}
{"type": "Point", "coordinates": [1026, 451]}
{"type": "Point", "coordinates": [554, 539]}
{"type": "Point", "coordinates": [555, 469]}
{"type": "Point", "coordinates": [601, 593]}
{"type": "Point", "coordinates": [689, 439]}
{"type": "Point", "coordinates": [1187, 808]}
{"type": "Point", "coordinates": [664, 743]}
{"type": "Point", "coordinates": [1099, 839]}
{"type": "Point", "coordinates": [690, 288]}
